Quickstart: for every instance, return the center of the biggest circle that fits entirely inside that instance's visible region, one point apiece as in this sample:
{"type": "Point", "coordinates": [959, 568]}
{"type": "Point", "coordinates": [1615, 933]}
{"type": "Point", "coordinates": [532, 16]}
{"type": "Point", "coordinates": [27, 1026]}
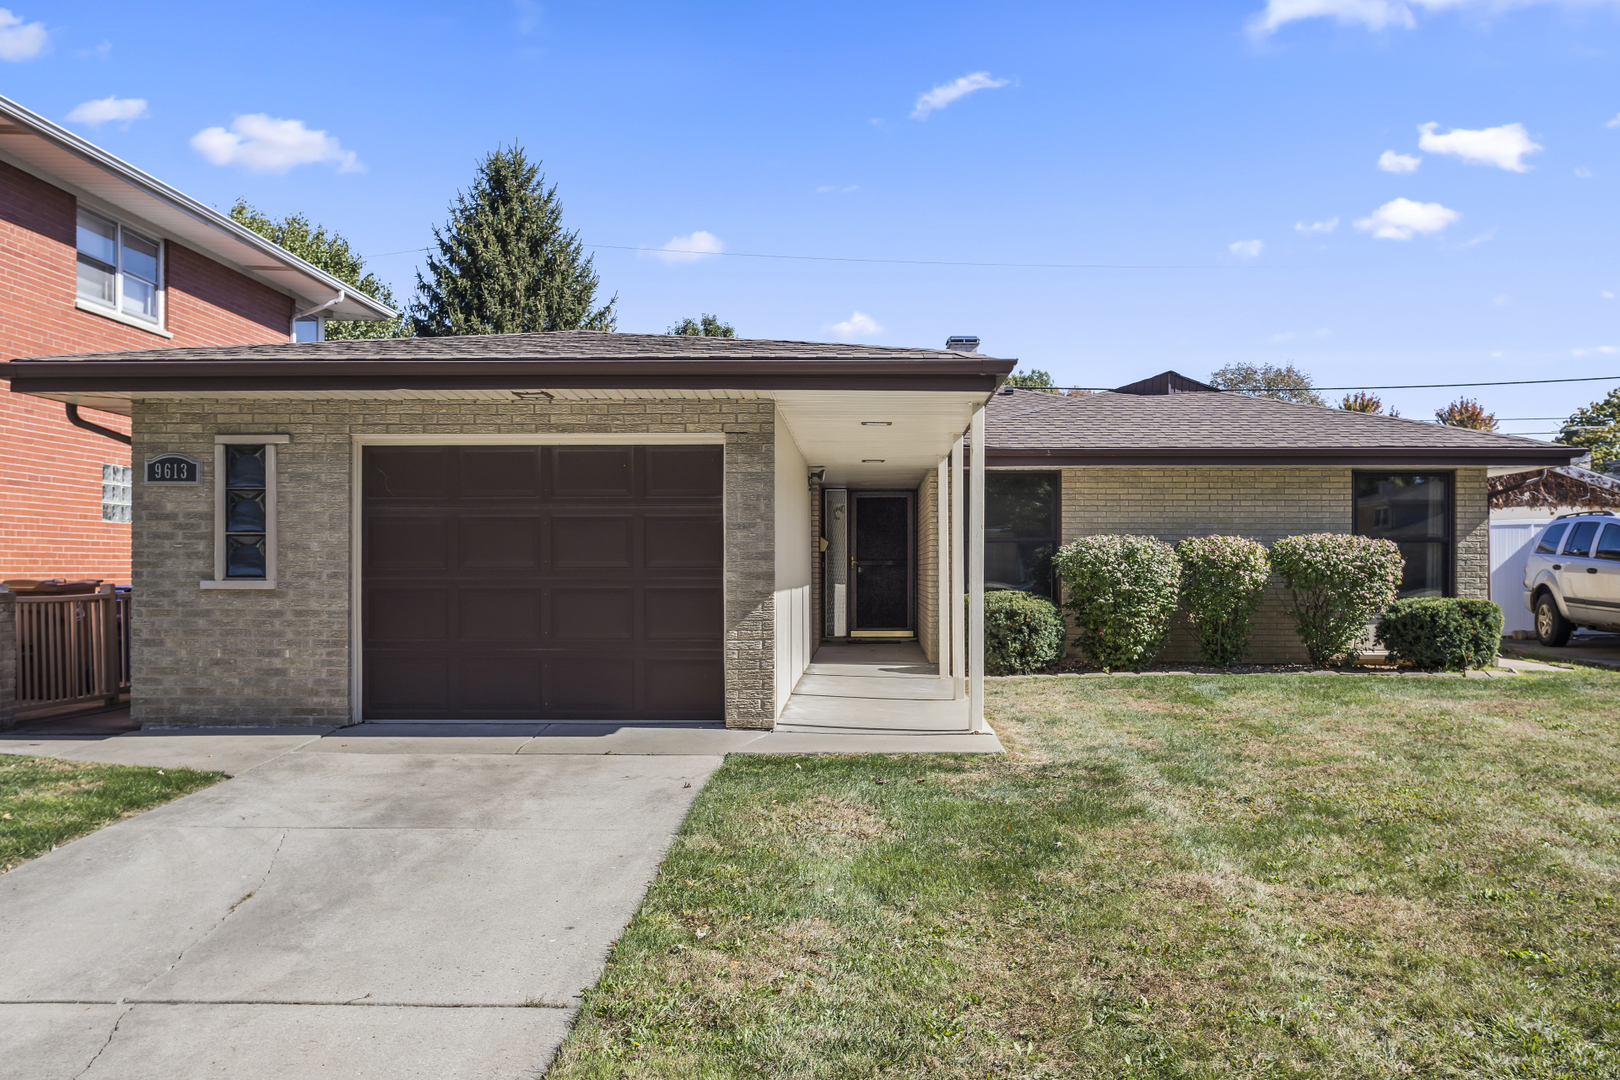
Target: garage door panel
{"type": "Point", "coordinates": [593, 614]}
{"type": "Point", "coordinates": [684, 614]}
{"type": "Point", "coordinates": [582, 542]}
{"type": "Point", "coordinates": [499, 614]}
{"type": "Point", "coordinates": [500, 543]}
{"type": "Point", "coordinates": [685, 471]}
{"type": "Point", "coordinates": [408, 543]}
{"type": "Point", "coordinates": [500, 683]}
{"type": "Point", "coordinates": [499, 472]}
{"type": "Point", "coordinates": [547, 582]}
{"type": "Point", "coordinates": [408, 686]}
{"type": "Point", "coordinates": [690, 542]}
{"type": "Point", "coordinates": [407, 472]}
{"type": "Point", "coordinates": [590, 686]}
{"type": "Point", "coordinates": [402, 614]}
{"type": "Point", "coordinates": [684, 688]}
{"type": "Point", "coordinates": [593, 471]}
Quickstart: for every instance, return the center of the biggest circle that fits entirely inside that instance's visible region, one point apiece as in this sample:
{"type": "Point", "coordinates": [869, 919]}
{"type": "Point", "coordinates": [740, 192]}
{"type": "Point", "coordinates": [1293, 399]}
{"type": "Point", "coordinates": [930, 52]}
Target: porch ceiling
{"type": "Point", "coordinates": [832, 432]}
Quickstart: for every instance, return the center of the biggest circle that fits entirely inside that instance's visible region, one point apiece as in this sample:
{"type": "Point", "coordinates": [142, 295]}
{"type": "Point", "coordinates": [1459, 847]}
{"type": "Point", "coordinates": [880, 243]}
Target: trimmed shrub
{"type": "Point", "coordinates": [1339, 583]}
{"type": "Point", "coordinates": [1022, 633]}
{"type": "Point", "coordinates": [1122, 591]}
{"type": "Point", "coordinates": [1434, 633]}
{"type": "Point", "coordinates": [1222, 578]}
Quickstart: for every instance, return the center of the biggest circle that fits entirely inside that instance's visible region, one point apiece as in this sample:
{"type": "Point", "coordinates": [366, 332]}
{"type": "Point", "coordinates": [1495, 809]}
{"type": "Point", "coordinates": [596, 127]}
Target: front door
{"type": "Point", "coordinates": [882, 592]}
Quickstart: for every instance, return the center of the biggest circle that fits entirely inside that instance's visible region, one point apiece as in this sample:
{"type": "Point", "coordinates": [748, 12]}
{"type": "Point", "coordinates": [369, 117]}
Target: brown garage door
{"type": "Point", "coordinates": [549, 582]}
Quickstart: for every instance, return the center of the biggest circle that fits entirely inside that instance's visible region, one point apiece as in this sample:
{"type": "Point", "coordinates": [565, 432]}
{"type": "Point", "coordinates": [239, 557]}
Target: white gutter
{"type": "Point", "coordinates": [307, 312]}
{"type": "Point", "coordinates": [179, 201]}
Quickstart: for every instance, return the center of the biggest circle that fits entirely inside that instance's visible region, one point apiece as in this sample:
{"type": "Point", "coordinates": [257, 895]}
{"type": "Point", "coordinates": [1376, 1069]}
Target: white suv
{"type": "Point", "coordinates": [1572, 577]}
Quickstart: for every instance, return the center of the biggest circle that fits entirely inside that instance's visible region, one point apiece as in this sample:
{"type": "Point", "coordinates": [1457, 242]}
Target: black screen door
{"type": "Point", "coordinates": [881, 554]}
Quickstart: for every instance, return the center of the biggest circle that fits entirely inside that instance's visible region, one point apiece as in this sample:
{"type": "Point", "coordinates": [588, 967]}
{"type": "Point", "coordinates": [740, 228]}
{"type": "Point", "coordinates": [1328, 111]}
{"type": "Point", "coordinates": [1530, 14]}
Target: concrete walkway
{"type": "Point", "coordinates": [874, 688]}
{"type": "Point", "coordinates": [350, 915]}
{"type": "Point", "coordinates": [1586, 647]}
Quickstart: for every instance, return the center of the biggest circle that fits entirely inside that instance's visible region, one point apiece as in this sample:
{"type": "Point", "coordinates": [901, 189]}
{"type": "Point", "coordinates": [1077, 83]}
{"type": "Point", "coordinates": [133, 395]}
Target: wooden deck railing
{"type": "Point", "coordinates": [72, 650]}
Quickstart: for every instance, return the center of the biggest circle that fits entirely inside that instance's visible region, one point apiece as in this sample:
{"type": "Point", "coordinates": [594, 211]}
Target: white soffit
{"type": "Point", "coordinates": [832, 430]}
{"type": "Point", "coordinates": [59, 157]}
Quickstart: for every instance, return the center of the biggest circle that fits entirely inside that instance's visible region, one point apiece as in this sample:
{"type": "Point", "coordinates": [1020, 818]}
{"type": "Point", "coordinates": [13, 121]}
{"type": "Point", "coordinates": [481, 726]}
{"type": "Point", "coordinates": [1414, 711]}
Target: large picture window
{"type": "Point", "coordinates": [118, 267]}
{"type": "Point", "coordinates": [1020, 531]}
{"type": "Point", "coordinates": [1415, 511]}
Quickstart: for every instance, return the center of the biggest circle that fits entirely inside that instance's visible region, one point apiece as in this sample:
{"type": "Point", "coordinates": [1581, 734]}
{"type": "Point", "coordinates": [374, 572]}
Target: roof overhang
{"type": "Point", "coordinates": [1528, 457]}
{"type": "Point", "coordinates": [112, 385]}
{"type": "Point", "coordinates": [34, 144]}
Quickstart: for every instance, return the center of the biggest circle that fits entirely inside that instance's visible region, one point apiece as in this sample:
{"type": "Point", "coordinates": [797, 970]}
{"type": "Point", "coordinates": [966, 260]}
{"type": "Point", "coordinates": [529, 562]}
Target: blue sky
{"type": "Point", "coordinates": [1197, 143]}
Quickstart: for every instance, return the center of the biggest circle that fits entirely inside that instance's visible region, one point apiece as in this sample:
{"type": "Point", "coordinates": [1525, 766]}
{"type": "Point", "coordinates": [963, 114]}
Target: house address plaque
{"type": "Point", "coordinates": [173, 469]}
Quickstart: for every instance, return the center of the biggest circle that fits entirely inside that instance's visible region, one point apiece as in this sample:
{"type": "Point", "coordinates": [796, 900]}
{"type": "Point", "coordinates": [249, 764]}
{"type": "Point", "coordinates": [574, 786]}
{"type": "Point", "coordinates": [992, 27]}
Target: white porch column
{"type": "Point", "coordinates": [953, 598]}
{"type": "Point", "coordinates": [943, 516]}
{"type": "Point", "coordinates": [975, 556]}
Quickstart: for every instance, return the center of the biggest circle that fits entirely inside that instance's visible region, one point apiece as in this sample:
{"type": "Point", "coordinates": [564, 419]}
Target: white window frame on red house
{"type": "Point", "coordinates": [115, 311]}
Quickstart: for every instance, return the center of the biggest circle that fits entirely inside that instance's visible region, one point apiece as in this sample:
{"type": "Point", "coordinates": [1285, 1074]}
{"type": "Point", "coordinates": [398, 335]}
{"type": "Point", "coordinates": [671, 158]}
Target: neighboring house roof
{"type": "Point", "coordinates": [34, 144]}
{"type": "Point", "coordinates": [563, 359]}
{"type": "Point", "coordinates": [1173, 420]}
{"type": "Point", "coordinates": [1566, 486]}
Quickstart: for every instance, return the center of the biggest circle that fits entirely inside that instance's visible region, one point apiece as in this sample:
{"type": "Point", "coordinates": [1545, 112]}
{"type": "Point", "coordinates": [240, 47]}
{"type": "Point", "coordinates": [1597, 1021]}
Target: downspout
{"type": "Point", "coordinates": [80, 422]}
{"type": "Point", "coordinates": [316, 310]}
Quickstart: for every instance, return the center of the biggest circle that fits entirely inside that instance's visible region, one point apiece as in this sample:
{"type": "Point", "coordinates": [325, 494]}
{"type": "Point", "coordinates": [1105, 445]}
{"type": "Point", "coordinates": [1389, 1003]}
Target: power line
{"type": "Point", "coordinates": [1403, 386]}
{"type": "Point", "coordinates": [900, 262]}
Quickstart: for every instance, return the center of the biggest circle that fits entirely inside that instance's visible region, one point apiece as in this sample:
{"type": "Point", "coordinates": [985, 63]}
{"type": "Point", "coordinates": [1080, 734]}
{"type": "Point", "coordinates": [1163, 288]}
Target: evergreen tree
{"type": "Point", "coordinates": [705, 326]}
{"type": "Point", "coordinates": [330, 252]}
{"type": "Point", "coordinates": [504, 264]}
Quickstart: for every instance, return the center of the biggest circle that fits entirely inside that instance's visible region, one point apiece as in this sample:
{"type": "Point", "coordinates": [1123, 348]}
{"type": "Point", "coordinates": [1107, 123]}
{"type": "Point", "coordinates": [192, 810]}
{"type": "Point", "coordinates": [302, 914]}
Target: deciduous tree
{"type": "Point", "coordinates": [1361, 401]}
{"type": "Point", "coordinates": [1466, 413]}
{"type": "Point", "coordinates": [1282, 383]}
{"type": "Point", "coordinates": [704, 326]}
{"type": "Point", "coordinates": [1601, 419]}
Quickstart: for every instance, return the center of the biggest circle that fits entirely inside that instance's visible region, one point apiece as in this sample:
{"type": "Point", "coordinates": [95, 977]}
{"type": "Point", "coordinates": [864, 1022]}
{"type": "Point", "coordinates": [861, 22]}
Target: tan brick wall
{"type": "Point", "coordinates": [928, 565]}
{"type": "Point", "coordinates": [282, 656]}
{"type": "Point", "coordinates": [1263, 504]}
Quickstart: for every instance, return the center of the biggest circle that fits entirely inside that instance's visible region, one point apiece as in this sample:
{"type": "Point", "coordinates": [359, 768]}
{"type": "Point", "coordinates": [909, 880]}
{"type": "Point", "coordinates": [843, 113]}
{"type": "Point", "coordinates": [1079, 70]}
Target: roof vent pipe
{"type": "Point", "coordinates": [962, 343]}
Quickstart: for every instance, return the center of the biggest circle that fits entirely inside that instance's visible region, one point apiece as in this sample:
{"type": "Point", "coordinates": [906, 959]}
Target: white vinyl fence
{"type": "Point", "coordinates": [1510, 546]}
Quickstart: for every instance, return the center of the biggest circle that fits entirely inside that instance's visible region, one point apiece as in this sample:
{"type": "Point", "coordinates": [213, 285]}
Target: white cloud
{"type": "Point", "coordinates": [1583, 173]}
{"type": "Point", "coordinates": [1278, 339]}
{"type": "Point", "coordinates": [107, 110]}
{"type": "Point", "coordinates": [1607, 350]}
{"type": "Point", "coordinates": [1399, 219]}
{"type": "Point", "coordinates": [20, 40]}
{"type": "Point", "coordinates": [857, 325]}
{"type": "Point", "coordinates": [834, 189]}
{"type": "Point", "coordinates": [99, 52]}
{"type": "Point", "coordinates": [689, 248]}
{"type": "Point", "coordinates": [1615, 123]}
{"type": "Point", "coordinates": [259, 143]}
{"type": "Point", "coordinates": [1390, 161]}
{"type": "Point", "coordinates": [1501, 301]}
{"type": "Point", "coordinates": [1503, 146]}
{"type": "Point", "coordinates": [1382, 14]}
{"type": "Point", "coordinates": [1606, 294]}
{"type": "Point", "coordinates": [1317, 226]}
{"type": "Point", "coordinates": [1246, 249]}
{"type": "Point", "coordinates": [941, 96]}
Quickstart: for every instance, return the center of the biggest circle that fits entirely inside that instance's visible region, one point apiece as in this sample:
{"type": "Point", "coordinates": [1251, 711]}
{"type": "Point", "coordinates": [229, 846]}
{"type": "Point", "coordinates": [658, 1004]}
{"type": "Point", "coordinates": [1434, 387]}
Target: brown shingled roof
{"type": "Point", "coordinates": [1035, 429]}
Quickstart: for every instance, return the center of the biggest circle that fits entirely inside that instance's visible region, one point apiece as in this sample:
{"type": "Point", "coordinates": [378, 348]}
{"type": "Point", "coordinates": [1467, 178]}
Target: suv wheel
{"type": "Point", "coordinates": [1551, 626]}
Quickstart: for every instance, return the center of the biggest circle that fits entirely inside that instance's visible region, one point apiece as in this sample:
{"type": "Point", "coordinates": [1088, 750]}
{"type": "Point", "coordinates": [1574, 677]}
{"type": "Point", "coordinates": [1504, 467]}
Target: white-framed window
{"type": "Point", "coordinates": [115, 491]}
{"type": "Point", "coordinates": [310, 329]}
{"type": "Point", "coordinates": [245, 511]}
{"type": "Point", "coordinates": [119, 268]}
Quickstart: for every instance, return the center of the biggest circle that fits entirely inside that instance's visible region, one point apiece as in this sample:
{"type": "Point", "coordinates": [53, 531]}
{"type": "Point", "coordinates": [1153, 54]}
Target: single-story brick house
{"type": "Point", "coordinates": [1172, 457]}
{"type": "Point", "coordinates": [646, 528]}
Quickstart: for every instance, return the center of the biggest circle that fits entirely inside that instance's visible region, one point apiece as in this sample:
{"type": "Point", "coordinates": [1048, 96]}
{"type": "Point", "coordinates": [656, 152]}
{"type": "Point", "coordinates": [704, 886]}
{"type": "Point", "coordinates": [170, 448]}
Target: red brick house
{"type": "Point", "coordinates": [97, 256]}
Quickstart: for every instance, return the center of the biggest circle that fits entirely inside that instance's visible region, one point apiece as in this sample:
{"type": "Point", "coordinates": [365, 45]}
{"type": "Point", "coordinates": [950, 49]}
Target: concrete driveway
{"type": "Point", "coordinates": [351, 915]}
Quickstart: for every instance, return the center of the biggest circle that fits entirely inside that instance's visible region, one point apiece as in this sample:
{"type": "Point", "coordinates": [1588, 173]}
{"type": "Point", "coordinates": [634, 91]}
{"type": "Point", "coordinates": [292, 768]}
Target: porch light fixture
{"type": "Point", "coordinates": [872, 460]}
{"type": "Point", "coordinates": [877, 423]}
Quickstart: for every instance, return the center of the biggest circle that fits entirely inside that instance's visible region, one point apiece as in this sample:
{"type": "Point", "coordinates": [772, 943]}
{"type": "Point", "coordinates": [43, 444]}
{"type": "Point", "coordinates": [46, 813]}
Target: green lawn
{"type": "Point", "coordinates": [46, 802]}
{"type": "Point", "coordinates": [1210, 876]}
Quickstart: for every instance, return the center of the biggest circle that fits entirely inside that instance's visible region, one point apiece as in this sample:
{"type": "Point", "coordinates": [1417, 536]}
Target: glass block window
{"type": "Point", "coordinates": [246, 512]}
{"type": "Point", "coordinates": [115, 492]}
{"type": "Point", "coordinates": [118, 267]}
{"type": "Point", "coordinates": [1414, 510]}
